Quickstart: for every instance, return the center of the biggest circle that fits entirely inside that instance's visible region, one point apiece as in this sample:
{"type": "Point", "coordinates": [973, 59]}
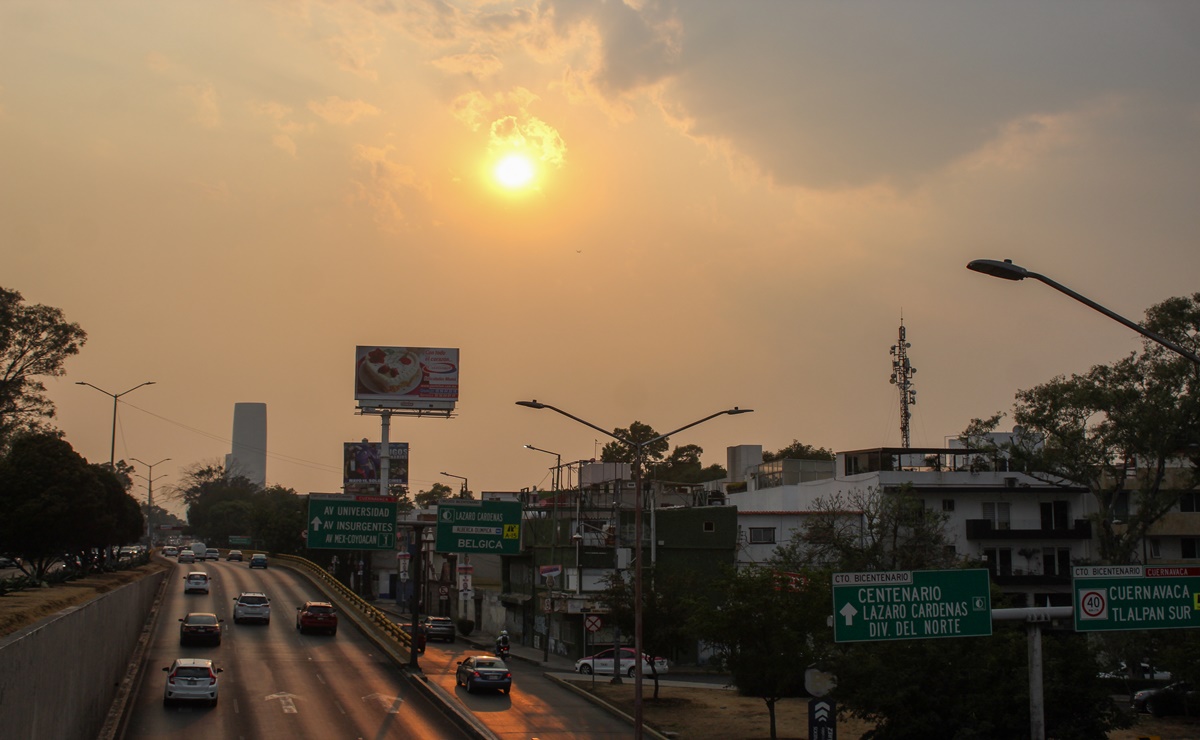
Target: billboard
{"type": "Point", "coordinates": [406, 377]}
{"type": "Point", "coordinates": [361, 468]}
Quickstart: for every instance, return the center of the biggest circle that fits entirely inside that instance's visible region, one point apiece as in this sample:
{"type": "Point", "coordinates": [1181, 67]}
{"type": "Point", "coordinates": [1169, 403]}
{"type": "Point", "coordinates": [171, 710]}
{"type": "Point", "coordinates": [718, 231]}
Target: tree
{"type": "Point", "coordinates": [277, 519]}
{"type": "Point", "coordinates": [683, 466]}
{"type": "Point", "coordinates": [436, 492]}
{"type": "Point", "coordinates": [1127, 426]}
{"type": "Point", "coordinates": [767, 630]}
{"type": "Point", "coordinates": [52, 502]}
{"type": "Point", "coordinates": [35, 341]}
{"type": "Point", "coordinates": [637, 433]}
{"type": "Point", "coordinates": [797, 450]}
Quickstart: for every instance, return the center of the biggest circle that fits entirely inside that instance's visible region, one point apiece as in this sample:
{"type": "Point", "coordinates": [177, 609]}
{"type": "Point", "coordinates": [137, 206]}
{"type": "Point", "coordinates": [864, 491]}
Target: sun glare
{"type": "Point", "coordinates": [514, 171]}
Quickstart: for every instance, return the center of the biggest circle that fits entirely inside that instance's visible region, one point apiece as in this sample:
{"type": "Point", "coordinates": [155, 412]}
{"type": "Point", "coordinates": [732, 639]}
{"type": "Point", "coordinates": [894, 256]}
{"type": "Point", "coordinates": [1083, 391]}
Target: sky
{"type": "Point", "coordinates": [730, 204]}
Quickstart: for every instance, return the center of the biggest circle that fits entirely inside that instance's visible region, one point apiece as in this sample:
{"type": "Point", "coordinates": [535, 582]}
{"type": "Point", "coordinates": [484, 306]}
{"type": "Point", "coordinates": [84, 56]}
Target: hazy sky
{"type": "Point", "coordinates": [734, 203]}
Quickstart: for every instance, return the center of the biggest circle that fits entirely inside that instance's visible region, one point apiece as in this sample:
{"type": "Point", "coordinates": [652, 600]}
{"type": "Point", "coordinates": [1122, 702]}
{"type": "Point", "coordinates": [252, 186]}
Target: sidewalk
{"type": "Point", "coordinates": [536, 656]}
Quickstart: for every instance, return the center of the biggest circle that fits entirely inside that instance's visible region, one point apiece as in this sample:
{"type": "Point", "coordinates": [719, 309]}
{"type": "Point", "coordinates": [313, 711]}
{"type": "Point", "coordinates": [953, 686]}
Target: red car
{"type": "Point", "coordinates": [316, 615]}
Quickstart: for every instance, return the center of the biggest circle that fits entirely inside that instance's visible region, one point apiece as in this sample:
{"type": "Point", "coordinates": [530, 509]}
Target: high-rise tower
{"type": "Point", "coordinates": [249, 456]}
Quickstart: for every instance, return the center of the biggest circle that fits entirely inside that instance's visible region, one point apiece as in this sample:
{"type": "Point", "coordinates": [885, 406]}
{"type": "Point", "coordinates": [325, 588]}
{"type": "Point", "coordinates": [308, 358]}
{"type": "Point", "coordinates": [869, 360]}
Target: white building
{"type": "Point", "coordinates": [249, 455]}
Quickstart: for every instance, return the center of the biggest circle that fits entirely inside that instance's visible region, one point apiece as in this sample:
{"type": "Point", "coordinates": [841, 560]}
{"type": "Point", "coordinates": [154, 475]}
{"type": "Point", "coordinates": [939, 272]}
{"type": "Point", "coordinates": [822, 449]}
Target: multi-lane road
{"type": "Point", "coordinates": [277, 683]}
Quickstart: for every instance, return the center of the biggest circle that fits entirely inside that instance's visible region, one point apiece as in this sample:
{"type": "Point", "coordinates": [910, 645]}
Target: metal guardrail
{"type": "Point", "coordinates": [376, 616]}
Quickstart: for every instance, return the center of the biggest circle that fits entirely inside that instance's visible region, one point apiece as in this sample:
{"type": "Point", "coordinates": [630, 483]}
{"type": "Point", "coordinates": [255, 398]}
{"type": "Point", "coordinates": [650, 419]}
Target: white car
{"type": "Point", "coordinates": [252, 606]}
{"type": "Point", "coordinates": [602, 662]}
{"type": "Point", "coordinates": [195, 582]}
{"type": "Point", "coordinates": [193, 679]}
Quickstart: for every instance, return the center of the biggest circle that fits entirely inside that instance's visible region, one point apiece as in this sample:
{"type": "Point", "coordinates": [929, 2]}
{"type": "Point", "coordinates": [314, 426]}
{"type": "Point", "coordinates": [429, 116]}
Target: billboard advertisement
{"type": "Point", "coordinates": [361, 468]}
{"type": "Point", "coordinates": [406, 377]}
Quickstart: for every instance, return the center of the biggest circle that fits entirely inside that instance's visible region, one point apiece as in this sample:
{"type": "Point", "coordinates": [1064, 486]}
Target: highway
{"type": "Point", "coordinates": [277, 683]}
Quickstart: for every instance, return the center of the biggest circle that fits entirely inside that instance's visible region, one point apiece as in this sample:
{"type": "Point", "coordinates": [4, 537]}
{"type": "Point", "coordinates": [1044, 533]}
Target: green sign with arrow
{"type": "Point", "coordinates": [345, 522]}
{"type": "Point", "coordinates": [911, 605]}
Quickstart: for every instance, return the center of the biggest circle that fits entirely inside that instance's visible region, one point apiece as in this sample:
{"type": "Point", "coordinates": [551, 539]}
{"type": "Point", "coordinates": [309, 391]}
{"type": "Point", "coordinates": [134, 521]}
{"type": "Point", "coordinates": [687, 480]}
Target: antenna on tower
{"type": "Point", "coordinates": [902, 373]}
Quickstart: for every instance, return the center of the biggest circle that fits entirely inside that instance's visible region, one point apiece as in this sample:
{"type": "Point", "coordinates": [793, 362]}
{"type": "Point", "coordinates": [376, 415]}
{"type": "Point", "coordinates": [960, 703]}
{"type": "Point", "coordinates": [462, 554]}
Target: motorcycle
{"type": "Point", "coordinates": [502, 652]}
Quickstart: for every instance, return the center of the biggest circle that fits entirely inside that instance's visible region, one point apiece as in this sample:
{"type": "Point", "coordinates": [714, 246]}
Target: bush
{"type": "Point", "coordinates": [466, 626]}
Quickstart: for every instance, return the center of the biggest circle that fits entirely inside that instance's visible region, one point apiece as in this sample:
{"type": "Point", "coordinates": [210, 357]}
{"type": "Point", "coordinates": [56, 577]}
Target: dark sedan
{"type": "Point", "coordinates": [200, 627]}
{"type": "Point", "coordinates": [1176, 698]}
{"type": "Point", "coordinates": [438, 628]}
{"type": "Point", "coordinates": [483, 672]}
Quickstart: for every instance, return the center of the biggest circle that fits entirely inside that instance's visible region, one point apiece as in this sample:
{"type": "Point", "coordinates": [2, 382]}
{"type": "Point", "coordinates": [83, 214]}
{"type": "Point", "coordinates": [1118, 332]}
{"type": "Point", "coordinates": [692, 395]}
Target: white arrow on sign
{"type": "Point", "coordinates": [821, 711]}
{"type": "Point", "coordinates": [316, 523]}
{"type": "Point", "coordinates": [391, 703]}
{"type": "Point", "coordinates": [848, 611]}
{"type": "Point", "coordinates": [287, 701]}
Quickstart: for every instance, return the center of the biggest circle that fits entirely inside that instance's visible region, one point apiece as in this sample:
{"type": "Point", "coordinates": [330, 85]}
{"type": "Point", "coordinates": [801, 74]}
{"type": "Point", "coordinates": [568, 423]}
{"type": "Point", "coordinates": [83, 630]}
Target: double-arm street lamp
{"type": "Point", "coordinates": [112, 448]}
{"type": "Point", "coordinates": [639, 449]}
{"type": "Point", "coordinates": [465, 490]}
{"type": "Point", "coordinates": [149, 478]}
{"type": "Point", "coordinates": [1008, 271]}
{"type": "Point", "coordinates": [557, 479]}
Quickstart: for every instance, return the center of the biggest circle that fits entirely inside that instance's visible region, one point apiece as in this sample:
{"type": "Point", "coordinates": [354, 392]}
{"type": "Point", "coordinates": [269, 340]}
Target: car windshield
{"type": "Point", "coordinates": [202, 619]}
{"type": "Point", "coordinates": [488, 664]}
{"type": "Point", "coordinates": [254, 600]}
{"type": "Point", "coordinates": [197, 578]}
{"type": "Point", "coordinates": [320, 609]}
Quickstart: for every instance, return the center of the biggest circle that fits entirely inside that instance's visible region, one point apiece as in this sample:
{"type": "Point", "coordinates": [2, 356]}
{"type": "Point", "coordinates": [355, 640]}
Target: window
{"type": "Point", "coordinates": [1188, 547]}
{"type": "Point", "coordinates": [1056, 561]}
{"type": "Point", "coordinates": [999, 560]}
{"type": "Point", "coordinates": [997, 512]}
{"type": "Point", "coordinates": [947, 504]}
{"type": "Point", "coordinates": [1155, 548]}
{"type": "Point", "coordinates": [1189, 502]}
{"type": "Point", "coordinates": [1056, 514]}
{"type": "Point", "coordinates": [762, 535]}
{"type": "Point", "coordinates": [711, 527]}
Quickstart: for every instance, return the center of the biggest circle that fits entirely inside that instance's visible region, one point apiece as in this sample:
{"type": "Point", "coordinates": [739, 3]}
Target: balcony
{"type": "Point", "coordinates": [985, 529]}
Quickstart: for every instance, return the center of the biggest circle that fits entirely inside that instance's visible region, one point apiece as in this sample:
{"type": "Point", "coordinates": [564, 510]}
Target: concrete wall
{"type": "Point", "coordinates": [58, 678]}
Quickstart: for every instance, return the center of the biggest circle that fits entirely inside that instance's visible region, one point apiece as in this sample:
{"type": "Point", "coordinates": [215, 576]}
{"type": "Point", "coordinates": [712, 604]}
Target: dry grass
{"type": "Point", "coordinates": [689, 714]}
{"type": "Point", "coordinates": [21, 609]}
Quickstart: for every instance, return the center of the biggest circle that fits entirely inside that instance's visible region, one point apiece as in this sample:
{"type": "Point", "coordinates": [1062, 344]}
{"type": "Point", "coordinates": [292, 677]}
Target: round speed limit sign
{"type": "Point", "coordinates": [1093, 603]}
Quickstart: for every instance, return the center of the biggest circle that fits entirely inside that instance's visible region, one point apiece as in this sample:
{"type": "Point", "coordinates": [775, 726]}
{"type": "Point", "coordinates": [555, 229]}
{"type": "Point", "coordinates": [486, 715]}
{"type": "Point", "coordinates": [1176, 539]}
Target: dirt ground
{"type": "Point", "coordinates": [709, 713]}
{"type": "Point", "coordinates": [20, 609]}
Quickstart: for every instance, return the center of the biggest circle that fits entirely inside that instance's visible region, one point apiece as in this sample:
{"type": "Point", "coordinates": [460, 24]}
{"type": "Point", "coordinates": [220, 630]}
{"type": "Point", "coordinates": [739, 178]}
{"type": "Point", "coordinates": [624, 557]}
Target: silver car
{"type": "Point", "coordinates": [252, 606]}
{"type": "Point", "coordinates": [191, 679]}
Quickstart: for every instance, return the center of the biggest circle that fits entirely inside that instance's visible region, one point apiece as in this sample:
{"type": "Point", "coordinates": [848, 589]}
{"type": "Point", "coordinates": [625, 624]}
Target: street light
{"type": "Point", "coordinates": [112, 449]}
{"type": "Point", "coordinates": [1008, 271]}
{"type": "Point", "coordinates": [150, 495]}
{"type": "Point", "coordinates": [553, 541]}
{"type": "Point", "coordinates": [462, 478]}
{"type": "Point", "coordinates": [557, 465]}
{"type": "Point", "coordinates": [639, 449]}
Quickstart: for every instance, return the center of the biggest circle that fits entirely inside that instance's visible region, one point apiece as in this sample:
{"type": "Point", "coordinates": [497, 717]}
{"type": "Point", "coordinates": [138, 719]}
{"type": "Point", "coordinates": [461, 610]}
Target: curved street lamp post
{"type": "Point", "coordinates": [639, 449]}
{"type": "Point", "coordinates": [464, 492]}
{"type": "Point", "coordinates": [112, 448]}
{"type": "Point", "coordinates": [1008, 271]}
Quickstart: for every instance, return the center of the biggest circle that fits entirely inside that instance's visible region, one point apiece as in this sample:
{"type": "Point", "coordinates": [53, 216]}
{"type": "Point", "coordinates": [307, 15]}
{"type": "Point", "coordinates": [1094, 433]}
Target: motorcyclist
{"type": "Point", "coordinates": [502, 642]}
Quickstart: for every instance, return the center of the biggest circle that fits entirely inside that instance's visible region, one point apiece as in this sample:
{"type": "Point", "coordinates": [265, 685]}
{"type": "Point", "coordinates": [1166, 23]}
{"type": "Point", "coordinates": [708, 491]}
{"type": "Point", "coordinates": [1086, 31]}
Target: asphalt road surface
{"type": "Point", "coordinates": [276, 683]}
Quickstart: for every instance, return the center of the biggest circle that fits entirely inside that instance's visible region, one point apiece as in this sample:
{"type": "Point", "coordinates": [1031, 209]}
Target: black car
{"type": "Point", "coordinates": [1176, 698]}
{"type": "Point", "coordinates": [200, 627]}
{"type": "Point", "coordinates": [438, 628]}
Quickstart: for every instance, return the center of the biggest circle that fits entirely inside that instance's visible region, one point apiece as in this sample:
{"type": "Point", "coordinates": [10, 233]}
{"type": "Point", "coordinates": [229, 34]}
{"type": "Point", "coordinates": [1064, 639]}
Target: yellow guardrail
{"type": "Point", "coordinates": [376, 616]}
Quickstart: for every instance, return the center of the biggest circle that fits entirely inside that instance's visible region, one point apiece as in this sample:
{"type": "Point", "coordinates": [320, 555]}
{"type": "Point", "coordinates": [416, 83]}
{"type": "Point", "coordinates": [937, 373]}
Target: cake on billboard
{"type": "Point", "coordinates": [406, 377]}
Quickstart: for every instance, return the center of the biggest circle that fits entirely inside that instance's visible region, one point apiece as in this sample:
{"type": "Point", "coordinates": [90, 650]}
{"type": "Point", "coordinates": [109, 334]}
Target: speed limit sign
{"type": "Point", "coordinates": [1093, 603]}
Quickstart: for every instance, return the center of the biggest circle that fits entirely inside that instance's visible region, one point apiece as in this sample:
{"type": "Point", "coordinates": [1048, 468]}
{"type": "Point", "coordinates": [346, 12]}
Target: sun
{"type": "Point", "coordinates": [514, 171]}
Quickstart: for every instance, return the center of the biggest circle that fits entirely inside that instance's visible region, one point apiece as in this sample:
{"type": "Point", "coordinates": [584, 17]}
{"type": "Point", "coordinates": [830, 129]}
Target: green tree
{"type": "Point", "coordinates": [767, 630]}
{"type": "Point", "coordinates": [1132, 425]}
{"type": "Point", "coordinates": [637, 433]}
{"type": "Point", "coordinates": [206, 490]}
{"type": "Point", "coordinates": [278, 517]}
{"type": "Point", "coordinates": [35, 341]}
{"type": "Point", "coordinates": [436, 492]}
{"type": "Point", "coordinates": [797, 450]}
{"type": "Point", "coordinates": [53, 502]}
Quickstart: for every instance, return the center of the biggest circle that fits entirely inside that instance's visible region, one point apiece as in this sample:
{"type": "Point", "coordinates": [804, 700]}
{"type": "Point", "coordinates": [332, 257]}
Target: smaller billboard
{"type": "Point", "coordinates": [362, 469]}
{"type": "Point", "coordinates": [406, 377]}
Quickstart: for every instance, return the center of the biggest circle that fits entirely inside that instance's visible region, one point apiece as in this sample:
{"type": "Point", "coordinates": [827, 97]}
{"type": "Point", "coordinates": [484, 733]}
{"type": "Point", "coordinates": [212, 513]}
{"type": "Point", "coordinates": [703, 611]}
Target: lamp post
{"type": "Point", "coordinates": [112, 448]}
{"type": "Point", "coordinates": [553, 542]}
{"type": "Point", "coordinates": [150, 495]}
{"type": "Point", "coordinates": [462, 478]}
{"type": "Point", "coordinates": [639, 449]}
{"type": "Point", "coordinates": [1008, 271]}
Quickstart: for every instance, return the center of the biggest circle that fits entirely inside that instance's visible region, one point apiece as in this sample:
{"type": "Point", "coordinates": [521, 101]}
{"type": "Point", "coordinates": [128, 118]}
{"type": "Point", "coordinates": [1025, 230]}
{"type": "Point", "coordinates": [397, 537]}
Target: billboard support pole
{"type": "Point", "coordinates": [385, 420]}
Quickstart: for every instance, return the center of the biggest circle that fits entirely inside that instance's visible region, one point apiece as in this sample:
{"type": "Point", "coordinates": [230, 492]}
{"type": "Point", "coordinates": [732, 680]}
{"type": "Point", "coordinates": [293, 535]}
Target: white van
{"type": "Point", "coordinates": [200, 549]}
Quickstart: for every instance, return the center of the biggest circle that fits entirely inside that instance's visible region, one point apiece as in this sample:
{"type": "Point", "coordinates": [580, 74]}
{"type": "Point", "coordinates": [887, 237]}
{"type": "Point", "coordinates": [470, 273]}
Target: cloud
{"type": "Point", "coordinates": [336, 110]}
{"type": "Point", "coordinates": [286, 129]}
{"type": "Point", "coordinates": [392, 189]}
{"type": "Point", "coordinates": [476, 65]}
{"type": "Point", "coordinates": [510, 125]}
{"type": "Point", "coordinates": [203, 99]}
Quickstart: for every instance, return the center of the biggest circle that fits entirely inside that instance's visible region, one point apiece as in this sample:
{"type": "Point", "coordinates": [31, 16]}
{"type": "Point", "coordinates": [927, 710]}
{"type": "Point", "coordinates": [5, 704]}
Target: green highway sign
{"type": "Point", "coordinates": [344, 522]}
{"type": "Point", "coordinates": [1135, 597]}
{"type": "Point", "coordinates": [479, 526]}
{"type": "Point", "coordinates": [911, 605]}
{"type": "Point", "coordinates": [239, 540]}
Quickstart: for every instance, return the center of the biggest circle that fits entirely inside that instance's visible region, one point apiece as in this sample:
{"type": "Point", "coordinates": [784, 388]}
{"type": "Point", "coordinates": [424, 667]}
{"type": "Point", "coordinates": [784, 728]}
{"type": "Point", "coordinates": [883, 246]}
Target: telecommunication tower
{"type": "Point", "coordinates": [902, 373]}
